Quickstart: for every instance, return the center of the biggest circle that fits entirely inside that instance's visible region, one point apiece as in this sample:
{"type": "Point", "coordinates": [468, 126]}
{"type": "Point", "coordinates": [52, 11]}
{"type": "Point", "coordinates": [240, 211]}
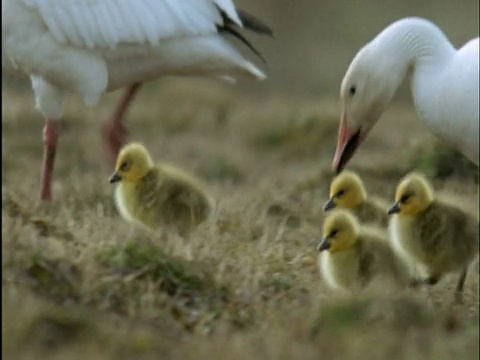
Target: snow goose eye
{"type": "Point", "coordinates": [352, 90]}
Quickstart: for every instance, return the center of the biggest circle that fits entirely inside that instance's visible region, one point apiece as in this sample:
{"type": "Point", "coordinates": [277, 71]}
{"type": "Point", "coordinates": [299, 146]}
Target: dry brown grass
{"type": "Point", "coordinates": [80, 283]}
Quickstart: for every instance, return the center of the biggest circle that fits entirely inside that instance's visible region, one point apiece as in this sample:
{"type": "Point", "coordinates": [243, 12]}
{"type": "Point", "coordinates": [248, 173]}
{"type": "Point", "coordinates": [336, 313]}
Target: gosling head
{"type": "Point", "coordinates": [413, 196]}
{"type": "Point", "coordinates": [133, 162]}
{"type": "Point", "coordinates": [346, 191]}
{"type": "Point", "coordinates": [340, 232]}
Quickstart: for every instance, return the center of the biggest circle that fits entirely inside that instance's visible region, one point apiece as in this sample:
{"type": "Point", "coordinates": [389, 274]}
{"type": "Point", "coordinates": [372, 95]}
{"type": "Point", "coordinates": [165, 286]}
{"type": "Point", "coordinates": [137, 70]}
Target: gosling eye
{"type": "Point", "coordinates": [340, 193]}
{"type": "Point", "coordinates": [124, 166]}
{"type": "Point", "coordinates": [404, 199]}
{"type": "Point", "coordinates": [333, 233]}
{"type": "Point", "coordinates": [352, 90]}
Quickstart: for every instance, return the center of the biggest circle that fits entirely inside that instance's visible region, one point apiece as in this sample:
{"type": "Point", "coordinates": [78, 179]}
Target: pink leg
{"type": "Point", "coordinates": [115, 131]}
{"type": "Point", "coordinates": [51, 132]}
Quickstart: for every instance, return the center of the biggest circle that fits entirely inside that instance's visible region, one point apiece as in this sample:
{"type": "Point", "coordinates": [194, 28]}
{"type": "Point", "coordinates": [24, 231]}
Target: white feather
{"type": "Point", "coordinates": [108, 23]}
{"type": "Point", "coordinates": [113, 20]}
{"type": "Point", "coordinates": [101, 15]}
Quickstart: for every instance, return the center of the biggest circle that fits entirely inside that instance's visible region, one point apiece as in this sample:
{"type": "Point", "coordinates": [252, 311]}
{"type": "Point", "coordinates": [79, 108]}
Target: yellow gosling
{"type": "Point", "coordinates": [437, 234]}
{"type": "Point", "coordinates": [347, 191]}
{"type": "Point", "coordinates": [351, 256]}
{"type": "Point", "coordinates": [158, 195]}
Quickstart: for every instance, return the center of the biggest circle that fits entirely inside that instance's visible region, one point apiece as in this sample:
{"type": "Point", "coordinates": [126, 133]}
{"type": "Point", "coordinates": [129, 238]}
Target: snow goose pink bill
{"type": "Point", "coordinates": [444, 83]}
{"type": "Point", "coordinates": [88, 47]}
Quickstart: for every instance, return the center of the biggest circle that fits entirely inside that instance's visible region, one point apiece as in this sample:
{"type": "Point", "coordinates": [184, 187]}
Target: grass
{"type": "Point", "coordinates": [79, 282]}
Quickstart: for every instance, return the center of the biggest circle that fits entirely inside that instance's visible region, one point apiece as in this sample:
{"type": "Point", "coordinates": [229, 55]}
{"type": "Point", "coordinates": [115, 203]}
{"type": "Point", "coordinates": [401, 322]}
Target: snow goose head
{"type": "Point", "coordinates": [366, 90]}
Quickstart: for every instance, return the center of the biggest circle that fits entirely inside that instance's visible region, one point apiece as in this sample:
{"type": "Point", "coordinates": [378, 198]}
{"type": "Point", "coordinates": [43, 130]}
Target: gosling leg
{"type": "Point", "coordinates": [460, 286]}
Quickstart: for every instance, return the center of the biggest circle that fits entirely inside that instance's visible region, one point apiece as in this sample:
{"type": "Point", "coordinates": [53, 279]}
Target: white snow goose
{"type": "Point", "coordinates": [444, 83]}
{"type": "Point", "coordinates": [88, 47]}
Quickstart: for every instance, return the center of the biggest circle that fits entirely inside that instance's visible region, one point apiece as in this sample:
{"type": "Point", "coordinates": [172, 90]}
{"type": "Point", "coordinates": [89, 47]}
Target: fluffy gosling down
{"type": "Point", "coordinates": [158, 195]}
{"type": "Point", "coordinates": [351, 256]}
{"type": "Point", "coordinates": [440, 236]}
{"type": "Point", "coordinates": [348, 192]}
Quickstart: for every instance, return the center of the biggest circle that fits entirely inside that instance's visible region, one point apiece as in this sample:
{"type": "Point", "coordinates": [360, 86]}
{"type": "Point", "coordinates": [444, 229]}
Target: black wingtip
{"type": "Point", "coordinates": [239, 36]}
{"type": "Point", "coordinates": [249, 22]}
{"type": "Point", "coordinates": [252, 23]}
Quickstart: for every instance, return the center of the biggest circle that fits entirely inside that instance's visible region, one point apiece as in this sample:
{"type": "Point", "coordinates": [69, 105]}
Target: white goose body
{"type": "Point", "coordinates": [88, 47]}
{"type": "Point", "coordinates": [445, 90]}
{"type": "Point", "coordinates": [444, 83]}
